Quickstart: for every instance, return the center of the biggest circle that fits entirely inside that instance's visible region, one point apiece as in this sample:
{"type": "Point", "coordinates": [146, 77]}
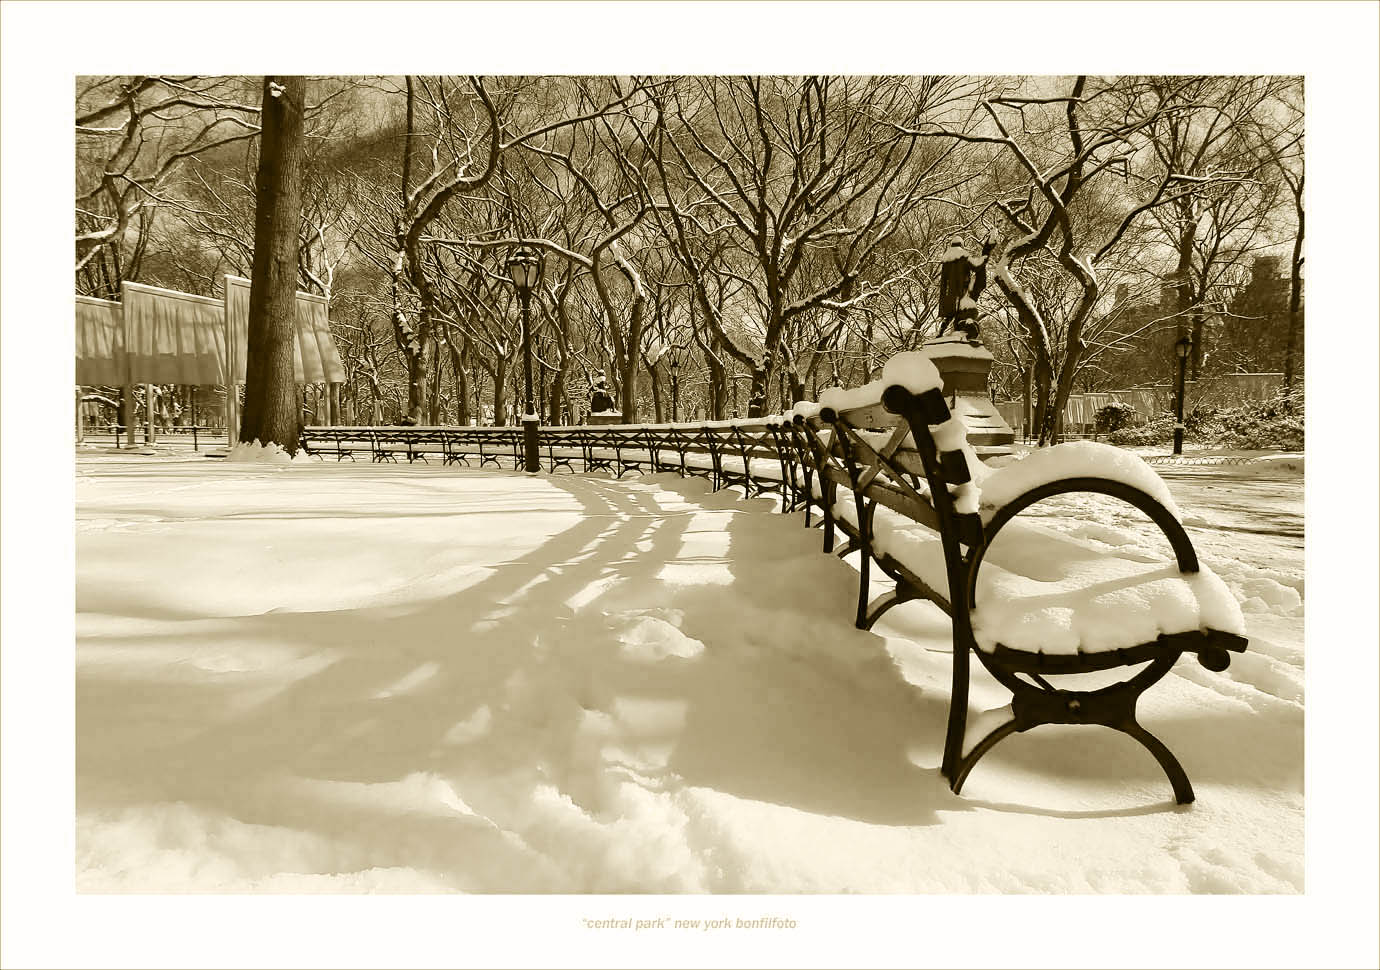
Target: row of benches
{"type": "Point", "coordinates": [888, 468]}
{"type": "Point", "coordinates": [755, 455]}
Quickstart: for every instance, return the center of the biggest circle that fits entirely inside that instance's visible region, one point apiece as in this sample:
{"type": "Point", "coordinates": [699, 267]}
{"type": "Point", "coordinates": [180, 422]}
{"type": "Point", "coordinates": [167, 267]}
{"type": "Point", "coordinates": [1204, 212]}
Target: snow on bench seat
{"type": "Point", "coordinates": [1072, 459]}
{"type": "Point", "coordinates": [757, 467]}
{"type": "Point", "coordinates": [1042, 591]}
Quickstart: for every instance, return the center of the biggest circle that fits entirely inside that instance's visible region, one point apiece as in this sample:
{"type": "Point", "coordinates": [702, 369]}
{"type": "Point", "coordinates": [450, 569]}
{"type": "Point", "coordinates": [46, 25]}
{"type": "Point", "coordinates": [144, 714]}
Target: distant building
{"type": "Point", "coordinates": [1249, 335]}
{"type": "Point", "coordinates": [1255, 332]}
{"type": "Point", "coordinates": [1150, 358]}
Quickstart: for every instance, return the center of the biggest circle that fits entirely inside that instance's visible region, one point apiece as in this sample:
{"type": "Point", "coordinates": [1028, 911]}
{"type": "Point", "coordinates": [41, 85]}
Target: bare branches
{"type": "Point", "coordinates": [770, 226]}
{"type": "Point", "coordinates": [132, 135]}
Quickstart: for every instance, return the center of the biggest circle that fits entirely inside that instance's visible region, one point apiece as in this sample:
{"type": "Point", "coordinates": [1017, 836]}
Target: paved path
{"type": "Point", "coordinates": [1246, 511]}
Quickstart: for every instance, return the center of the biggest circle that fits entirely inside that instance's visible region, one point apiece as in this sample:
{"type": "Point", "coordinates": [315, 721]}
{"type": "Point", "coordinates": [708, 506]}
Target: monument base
{"type": "Point", "coordinates": [602, 418]}
{"type": "Point", "coordinates": [964, 365]}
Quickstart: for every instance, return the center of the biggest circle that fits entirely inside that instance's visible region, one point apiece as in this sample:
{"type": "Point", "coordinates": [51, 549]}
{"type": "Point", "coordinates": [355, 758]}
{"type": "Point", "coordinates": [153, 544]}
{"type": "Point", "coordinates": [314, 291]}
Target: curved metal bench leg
{"type": "Point", "coordinates": [878, 608]}
{"type": "Point", "coordinates": [965, 764]}
{"type": "Point", "coordinates": [1183, 791]}
{"type": "Point", "coordinates": [864, 578]}
{"type": "Point", "coordinates": [958, 713]}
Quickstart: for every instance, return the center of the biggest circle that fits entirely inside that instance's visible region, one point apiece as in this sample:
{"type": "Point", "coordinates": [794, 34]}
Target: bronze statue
{"type": "Point", "coordinates": [600, 402]}
{"type": "Point", "coordinates": [961, 279]}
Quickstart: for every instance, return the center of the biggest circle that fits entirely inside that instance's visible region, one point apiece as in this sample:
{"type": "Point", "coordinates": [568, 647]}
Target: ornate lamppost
{"type": "Point", "coordinates": [524, 266]}
{"type": "Point", "coordinates": [675, 387]}
{"type": "Point", "coordinates": [1181, 348]}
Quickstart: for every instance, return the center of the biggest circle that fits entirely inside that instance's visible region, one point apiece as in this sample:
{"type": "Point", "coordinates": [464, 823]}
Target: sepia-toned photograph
{"type": "Point", "coordinates": [689, 496]}
{"type": "Point", "coordinates": [560, 484]}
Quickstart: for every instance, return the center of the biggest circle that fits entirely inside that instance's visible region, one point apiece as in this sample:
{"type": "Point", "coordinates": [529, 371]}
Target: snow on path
{"type": "Point", "coordinates": [337, 677]}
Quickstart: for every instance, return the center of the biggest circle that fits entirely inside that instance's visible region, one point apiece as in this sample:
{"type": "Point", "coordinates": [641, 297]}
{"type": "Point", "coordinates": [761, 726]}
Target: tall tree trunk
{"type": "Point", "coordinates": [1295, 296]}
{"type": "Point", "coordinates": [558, 396]}
{"type": "Point", "coordinates": [462, 385]}
{"type": "Point", "coordinates": [757, 390]}
{"type": "Point", "coordinates": [501, 392]}
{"type": "Point", "coordinates": [270, 404]}
{"type": "Point", "coordinates": [867, 352]}
{"type": "Point", "coordinates": [1073, 349]}
{"type": "Point", "coordinates": [433, 416]}
{"type": "Point", "coordinates": [629, 361]}
{"type": "Point", "coordinates": [790, 376]}
{"type": "Point", "coordinates": [658, 410]}
{"type": "Point", "coordinates": [1027, 372]}
{"type": "Point", "coordinates": [1045, 421]}
{"type": "Point", "coordinates": [1183, 272]}
{"type": "Point", "coordinates": [419, 365]}
{"type": "Point", "coordinates": [571, 413]}
{"type": "Point", "coordinates": [717, 392]}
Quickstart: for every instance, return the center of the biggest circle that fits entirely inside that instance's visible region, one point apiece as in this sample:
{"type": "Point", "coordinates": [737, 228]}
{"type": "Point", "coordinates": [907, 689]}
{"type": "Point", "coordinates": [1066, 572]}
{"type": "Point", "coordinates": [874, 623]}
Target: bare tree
{"type": "Point", "coordinates": [782, 168]}
{"type": "Point", "coordinates": [1056, 156]}
{"type": "Point", "coordinates": [132, 135]}
{"type": "Point", "coordinates": [270, 394]}
{"type": "Point", "coordinates": [771, 231]}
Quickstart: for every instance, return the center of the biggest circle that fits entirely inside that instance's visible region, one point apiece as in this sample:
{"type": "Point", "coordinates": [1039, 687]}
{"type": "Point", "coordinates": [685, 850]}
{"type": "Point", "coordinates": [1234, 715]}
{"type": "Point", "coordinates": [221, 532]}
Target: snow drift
{"type": "Point", "coordinates": [359, 678]}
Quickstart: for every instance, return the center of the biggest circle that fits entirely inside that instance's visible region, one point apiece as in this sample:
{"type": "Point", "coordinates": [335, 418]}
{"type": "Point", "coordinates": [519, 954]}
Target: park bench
{"type": "Point", "coordinates": [747, 453]}
{"type": "Point", "coordinates": [890, 469]}
{"type": "Point", "coordinates": [341, 442]}
{"type": "Point", "coordinates": [487, 446]}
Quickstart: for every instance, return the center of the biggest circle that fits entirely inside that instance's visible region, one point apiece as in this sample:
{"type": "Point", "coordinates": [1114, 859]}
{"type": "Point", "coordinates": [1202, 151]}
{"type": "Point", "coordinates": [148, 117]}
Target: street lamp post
{"type": "Point", "coordinates": [675, 389]}
{"type": "Point", "coordinates": [524, 266]}
{"type": "Point", "coordinates": [1181, 348]}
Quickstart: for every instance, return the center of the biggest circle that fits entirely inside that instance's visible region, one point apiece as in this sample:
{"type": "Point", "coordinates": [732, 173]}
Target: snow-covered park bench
{"type": "Point", "coordinates": [499, 447]}
{"type": "Point", "coordinates": [892, 471]}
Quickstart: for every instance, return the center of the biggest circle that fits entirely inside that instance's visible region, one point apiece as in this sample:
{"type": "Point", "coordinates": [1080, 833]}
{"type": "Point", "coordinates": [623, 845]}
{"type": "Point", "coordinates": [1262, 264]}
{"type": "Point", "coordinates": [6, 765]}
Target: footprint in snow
{"type": "Point", "coordinates": [648, 639]}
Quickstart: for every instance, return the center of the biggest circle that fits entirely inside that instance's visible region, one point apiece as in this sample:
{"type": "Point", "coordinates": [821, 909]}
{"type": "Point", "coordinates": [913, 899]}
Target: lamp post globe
{"type": "Point", "coordinates": [1182, 346]}
{"type": "Point", "coordinates": [524, 267]}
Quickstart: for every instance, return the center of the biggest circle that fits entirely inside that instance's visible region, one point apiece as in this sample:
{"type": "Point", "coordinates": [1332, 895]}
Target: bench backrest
{"type": "Point", "coordinates": [905, 451]}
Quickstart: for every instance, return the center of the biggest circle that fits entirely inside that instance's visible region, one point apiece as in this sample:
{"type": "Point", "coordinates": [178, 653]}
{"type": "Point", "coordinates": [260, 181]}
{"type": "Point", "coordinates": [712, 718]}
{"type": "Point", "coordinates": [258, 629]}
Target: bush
{"type": "Point", "coordinates": [1156, 431]}
{"type": "Point", "coordinates": [1113, 417]}
{"type": "Point", "coordinates": [1273, 423]}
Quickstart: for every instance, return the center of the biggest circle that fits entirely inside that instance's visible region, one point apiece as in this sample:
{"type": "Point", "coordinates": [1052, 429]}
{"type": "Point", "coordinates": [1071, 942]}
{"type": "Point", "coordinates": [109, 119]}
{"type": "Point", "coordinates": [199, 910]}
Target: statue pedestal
{"type": "Point", "coordinates": [603, 418]}
{"type": "Point", "coordinates": [963, 365]}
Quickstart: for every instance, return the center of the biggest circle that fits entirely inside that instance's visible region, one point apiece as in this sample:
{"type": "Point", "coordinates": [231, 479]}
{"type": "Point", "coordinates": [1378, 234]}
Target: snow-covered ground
{"type": "Point", "coordinates": [322, 677]}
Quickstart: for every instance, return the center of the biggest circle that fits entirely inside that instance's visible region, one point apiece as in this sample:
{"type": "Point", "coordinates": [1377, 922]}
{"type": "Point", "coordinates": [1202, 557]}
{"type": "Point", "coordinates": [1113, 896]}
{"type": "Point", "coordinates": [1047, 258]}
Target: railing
{"type": "Point", "coordinates": [758, 455]}
{"type": "Point", "coordinates": [117, 431]}
{"type": "Point", "coordinates": [1207, 459]}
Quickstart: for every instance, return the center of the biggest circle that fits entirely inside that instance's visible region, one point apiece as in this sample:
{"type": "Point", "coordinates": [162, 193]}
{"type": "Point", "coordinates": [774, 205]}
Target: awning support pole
{"type": "Point", "coordinates": [129, 414]}
{"type": "Point", "coordinates": [150, 431]}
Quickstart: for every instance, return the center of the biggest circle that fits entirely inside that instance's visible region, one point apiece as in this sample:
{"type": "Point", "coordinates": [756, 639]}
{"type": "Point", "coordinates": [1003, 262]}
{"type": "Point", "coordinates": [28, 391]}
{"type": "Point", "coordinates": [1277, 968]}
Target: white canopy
{"type": "Point", "coordinates": [315, 359]}
{"type": "Point", "coordinates": [159, 336]}
{"type": "Point", "coordinates": [172, 337]}
{"type": "Point", "coordinates": [100, 342]}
